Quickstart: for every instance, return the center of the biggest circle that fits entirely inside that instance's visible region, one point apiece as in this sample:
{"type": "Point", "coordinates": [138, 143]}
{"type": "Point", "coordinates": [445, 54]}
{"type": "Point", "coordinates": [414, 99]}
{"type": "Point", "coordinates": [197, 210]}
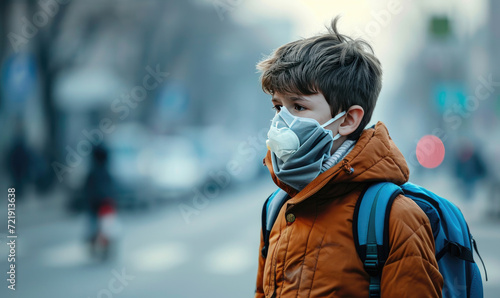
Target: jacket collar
{"type": "Point", "coordinates": [374, 158]}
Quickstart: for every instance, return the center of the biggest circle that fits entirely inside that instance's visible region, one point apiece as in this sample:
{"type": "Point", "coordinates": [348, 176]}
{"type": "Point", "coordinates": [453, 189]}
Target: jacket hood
{"type": "Point", "coordinates": [374, 158]}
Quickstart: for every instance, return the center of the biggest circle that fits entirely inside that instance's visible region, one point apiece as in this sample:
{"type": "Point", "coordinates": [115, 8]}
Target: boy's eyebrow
{"type": "Point", "coordinates": [293, 98]}
{"type": "Point", "coordinates": [298, 98]}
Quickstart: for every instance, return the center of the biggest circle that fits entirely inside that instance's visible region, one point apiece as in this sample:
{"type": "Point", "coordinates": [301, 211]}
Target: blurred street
{"type": "Point", "coordinates": [213, 256]}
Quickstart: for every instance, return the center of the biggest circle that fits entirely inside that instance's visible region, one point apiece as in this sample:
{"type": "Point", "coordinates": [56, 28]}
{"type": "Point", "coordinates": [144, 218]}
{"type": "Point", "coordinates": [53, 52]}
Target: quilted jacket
{"type": "Point", "coordinates": [311, 247]}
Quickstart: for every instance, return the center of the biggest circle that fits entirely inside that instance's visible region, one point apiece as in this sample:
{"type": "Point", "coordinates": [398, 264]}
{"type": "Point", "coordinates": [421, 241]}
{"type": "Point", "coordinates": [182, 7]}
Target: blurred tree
{"type": "Point", "coordinates": [43, 50]}
{"type": "Point", "coordinates": [211, 59]}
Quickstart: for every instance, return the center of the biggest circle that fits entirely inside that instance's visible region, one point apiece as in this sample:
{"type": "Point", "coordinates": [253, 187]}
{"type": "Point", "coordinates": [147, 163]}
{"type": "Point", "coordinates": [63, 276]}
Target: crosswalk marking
{"type": "Point", "coordinates": [69, 254]}
{"type": "Point", "coordinates": [230, 259]}
{"type": "Point", "coordinates": [159, 257]}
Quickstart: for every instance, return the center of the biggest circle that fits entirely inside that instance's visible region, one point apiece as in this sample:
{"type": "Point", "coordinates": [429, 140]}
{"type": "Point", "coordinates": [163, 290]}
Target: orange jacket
{"type": "Point", "coordinates": [312, 253]}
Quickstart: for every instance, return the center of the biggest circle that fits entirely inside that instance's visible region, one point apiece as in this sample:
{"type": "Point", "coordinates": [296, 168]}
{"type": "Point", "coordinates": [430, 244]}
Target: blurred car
{"type": "Point", "coordinates": [150, 169]}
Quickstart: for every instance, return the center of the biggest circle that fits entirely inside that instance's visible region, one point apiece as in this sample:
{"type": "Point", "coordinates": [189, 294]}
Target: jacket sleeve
{"type": "Point", "coordinates": [259, 292]}
{"type": "Point", "coordinates": [411, 269]}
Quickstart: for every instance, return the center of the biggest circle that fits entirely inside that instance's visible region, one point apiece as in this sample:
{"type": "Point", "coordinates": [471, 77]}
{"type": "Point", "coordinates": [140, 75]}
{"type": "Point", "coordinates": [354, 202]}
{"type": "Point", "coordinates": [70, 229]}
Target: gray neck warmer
{"type": "Point", "coordinates": [342, 152]}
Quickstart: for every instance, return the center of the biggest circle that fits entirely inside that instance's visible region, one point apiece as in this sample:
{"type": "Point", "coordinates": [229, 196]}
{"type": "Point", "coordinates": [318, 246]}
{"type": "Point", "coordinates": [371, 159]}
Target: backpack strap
{"type": "Point", "coordinates": [270, 210]}
{"type": "Point", "coordinates": [477, 252]}
{"type": "Point", "coordinates": [371, 215]}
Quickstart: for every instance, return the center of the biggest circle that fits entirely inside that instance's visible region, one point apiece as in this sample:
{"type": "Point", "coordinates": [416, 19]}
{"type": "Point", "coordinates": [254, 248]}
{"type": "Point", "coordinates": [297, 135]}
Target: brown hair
{"type": "Point", "coordinates": [343, 69]}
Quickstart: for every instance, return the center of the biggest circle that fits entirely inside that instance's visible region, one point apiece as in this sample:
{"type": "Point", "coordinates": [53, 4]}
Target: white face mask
{"type": "Point", "coordinates": [298, 147]}
{"type": "Point", "coordinates": [284, 141]}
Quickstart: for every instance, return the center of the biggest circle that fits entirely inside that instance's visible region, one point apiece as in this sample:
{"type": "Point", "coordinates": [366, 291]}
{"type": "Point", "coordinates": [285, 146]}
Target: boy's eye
{"type": "Point", "coordinates": [299, 108]}
{"type": "Point", "coordinates": [277, 108]}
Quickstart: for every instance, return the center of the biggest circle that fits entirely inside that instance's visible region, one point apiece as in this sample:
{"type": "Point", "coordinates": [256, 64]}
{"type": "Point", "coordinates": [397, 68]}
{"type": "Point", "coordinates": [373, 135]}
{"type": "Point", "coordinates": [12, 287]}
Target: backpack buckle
{"type": "Point", "coordinates": [371, 266]}
{"type": "Point", "coordinates": [371, 263]}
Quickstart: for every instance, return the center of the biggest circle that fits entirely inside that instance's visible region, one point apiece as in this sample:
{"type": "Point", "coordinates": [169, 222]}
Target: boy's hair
{"type": "Point", "coordinates": [344, 70]}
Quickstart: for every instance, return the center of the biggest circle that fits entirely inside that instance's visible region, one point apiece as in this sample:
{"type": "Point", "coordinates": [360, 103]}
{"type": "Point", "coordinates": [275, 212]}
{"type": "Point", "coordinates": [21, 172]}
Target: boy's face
{"type": "Point", "coordinates": [308, 106]}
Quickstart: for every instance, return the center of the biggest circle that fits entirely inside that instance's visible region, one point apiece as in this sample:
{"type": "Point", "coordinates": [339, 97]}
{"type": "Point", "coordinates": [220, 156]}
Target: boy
{"type": "Point", "coordinates": [324, 90]}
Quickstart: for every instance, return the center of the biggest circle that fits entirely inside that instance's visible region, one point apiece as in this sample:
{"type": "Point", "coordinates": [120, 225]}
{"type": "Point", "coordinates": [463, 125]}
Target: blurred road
{"type": "Point", "coordinates": [160, 254]}
{"type": "Point", "coordinates": [163, 256]}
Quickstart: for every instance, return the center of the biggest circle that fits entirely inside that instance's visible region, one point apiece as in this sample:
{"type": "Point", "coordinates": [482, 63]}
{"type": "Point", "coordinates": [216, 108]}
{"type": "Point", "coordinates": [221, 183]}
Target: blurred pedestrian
{"type": "Point", "coordinates": [469, 168]}
{"type": "Point", "coordinates": [19, 160]}
{"type": "Point", "coordinates": [98, 191]}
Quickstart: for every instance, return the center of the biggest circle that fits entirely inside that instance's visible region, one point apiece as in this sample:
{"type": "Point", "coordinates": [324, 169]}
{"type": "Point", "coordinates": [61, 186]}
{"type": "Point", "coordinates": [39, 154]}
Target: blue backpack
{"type": "Point", "coordinates": [453, 241]}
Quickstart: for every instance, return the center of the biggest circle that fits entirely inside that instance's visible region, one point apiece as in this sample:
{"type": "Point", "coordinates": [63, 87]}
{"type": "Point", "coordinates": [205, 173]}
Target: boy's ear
{"type": "Point", "coordinates": [352, 119]}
